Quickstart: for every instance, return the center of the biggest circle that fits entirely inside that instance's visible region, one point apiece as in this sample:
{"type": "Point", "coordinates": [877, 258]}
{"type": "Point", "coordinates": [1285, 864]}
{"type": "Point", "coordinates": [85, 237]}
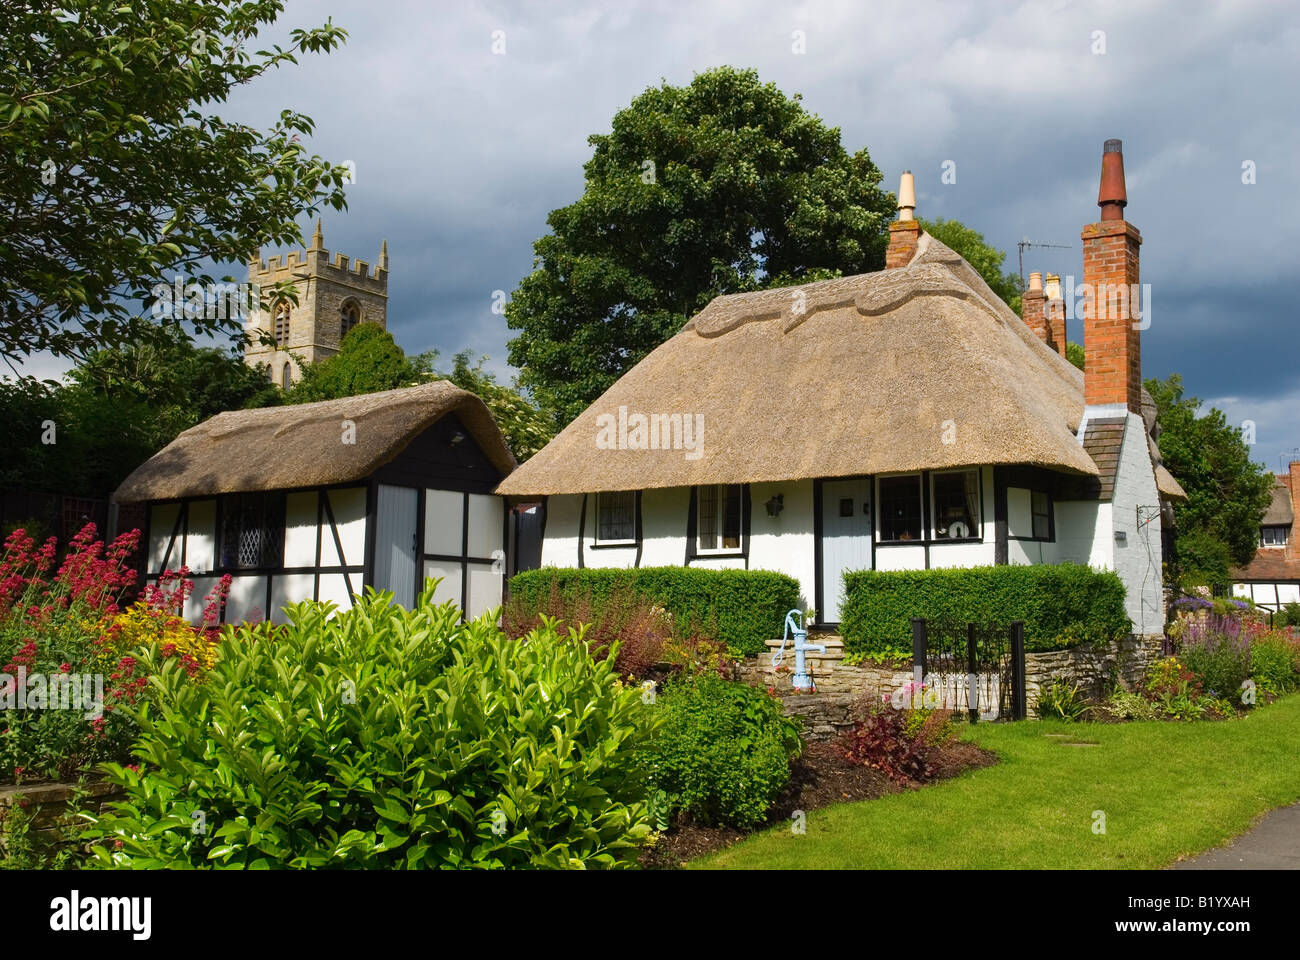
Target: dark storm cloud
{"type": "Point", "coordinates": [460, 153]}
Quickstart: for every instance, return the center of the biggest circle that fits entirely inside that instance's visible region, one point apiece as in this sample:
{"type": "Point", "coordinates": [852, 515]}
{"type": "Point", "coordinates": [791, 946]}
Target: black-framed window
{"type": "Point", "coordinates": [956, 504]}
{"type": "Point", "coordinates": [1274, 535]}
{"type": "Point", "coordinates": [900, 508]}
{"type": "Point", "coordinates": [616, 516]}
{"type": "Point", "coordinates": [719, 516]}
{"type": "Point", "coordinates": [252, 531]}
{"type": "Point", "coordinates": [1040, 505]}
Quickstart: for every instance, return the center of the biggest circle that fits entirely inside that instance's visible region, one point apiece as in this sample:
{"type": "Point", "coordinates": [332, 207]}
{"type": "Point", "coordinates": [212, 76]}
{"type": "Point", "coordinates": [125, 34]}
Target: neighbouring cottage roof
{"type": "Point", "coordinates": [278, 448]}
{"type": "Point", "coordinates": [1271, 564]}
{"type": "Point", "coordinates": [1279, 510]}
{"type": "Point", "coordinates": [920, 367]}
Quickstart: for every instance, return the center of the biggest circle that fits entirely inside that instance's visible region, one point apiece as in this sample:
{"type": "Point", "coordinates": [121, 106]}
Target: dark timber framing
{"type": "Point", "coordinates": [324, 516]}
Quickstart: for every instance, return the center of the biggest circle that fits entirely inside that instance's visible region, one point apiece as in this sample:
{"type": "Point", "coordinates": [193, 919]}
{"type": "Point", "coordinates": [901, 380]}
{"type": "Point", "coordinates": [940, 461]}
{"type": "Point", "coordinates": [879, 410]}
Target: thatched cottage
{"type": "Point", "coordinates": [904, 419]}
{"type": "Point", "coordinates": [1272, 578]}
{"type": "Point", "coordinates": [318, 500]}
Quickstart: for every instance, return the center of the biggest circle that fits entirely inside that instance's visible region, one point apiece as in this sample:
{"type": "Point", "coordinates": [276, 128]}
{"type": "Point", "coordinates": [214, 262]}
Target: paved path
{"type": "Point", "coordinates": [1272, 844]}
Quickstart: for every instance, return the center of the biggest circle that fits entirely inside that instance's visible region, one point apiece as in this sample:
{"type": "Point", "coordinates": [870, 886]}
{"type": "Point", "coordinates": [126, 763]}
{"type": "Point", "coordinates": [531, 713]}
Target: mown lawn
{"type": "Point", "coordinates": [1166, 789]}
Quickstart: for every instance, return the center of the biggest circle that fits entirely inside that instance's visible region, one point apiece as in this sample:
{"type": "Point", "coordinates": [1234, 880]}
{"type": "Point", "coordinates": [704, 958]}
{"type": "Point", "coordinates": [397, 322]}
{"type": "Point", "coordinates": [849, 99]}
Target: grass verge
{"type": "Point", "coordinates": [1167, 790]}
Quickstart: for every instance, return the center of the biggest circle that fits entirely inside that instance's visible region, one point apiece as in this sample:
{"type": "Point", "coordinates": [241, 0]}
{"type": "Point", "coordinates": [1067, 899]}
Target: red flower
{"type": "Point", "coordinates": [65, 667]}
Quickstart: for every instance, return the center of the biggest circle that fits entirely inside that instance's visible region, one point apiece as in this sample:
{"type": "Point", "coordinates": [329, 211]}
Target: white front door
{"type": "Point", "coordinates": [846, 539]}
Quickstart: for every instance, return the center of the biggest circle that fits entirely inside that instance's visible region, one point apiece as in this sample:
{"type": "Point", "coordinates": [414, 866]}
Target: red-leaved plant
{"type": "Point", "coordinates": [75, 622]}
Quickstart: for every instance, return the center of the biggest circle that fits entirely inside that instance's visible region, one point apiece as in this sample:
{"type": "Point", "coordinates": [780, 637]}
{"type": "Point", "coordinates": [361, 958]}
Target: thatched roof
{"type": "Point", "coordinates": [1279, 510]}
{"type": "Point", "coordinates": [920, 367]}
{"type": "Point", "coordinates": [280, 448]}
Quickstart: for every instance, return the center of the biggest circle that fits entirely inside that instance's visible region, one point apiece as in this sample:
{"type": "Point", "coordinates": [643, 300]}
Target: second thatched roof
{"type": "Point", "coordinates": [920, 367]}
{"type": "Point", "coordinates": [282, 448]}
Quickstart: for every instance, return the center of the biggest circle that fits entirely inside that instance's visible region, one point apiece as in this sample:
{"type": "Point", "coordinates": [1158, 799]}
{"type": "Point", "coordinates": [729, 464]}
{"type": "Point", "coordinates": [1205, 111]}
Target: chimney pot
{"type": "Point", "coordinates": [906, 196]}
{"type": "Point", "coordinates": [1112, 197]}
{"type": "Point", "coordinates": [1035, 282]}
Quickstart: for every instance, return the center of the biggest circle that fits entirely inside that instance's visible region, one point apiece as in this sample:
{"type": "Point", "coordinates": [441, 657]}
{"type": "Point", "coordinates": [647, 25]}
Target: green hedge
{"type": "Point", "coordinates": [1062, 605]}
{"type": "Point", "coordinates": [742, 608]}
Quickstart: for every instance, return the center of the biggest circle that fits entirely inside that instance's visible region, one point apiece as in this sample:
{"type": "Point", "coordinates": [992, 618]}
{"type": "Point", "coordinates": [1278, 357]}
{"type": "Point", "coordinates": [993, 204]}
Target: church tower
{"type": "Point", "coordinates": [332, 299]}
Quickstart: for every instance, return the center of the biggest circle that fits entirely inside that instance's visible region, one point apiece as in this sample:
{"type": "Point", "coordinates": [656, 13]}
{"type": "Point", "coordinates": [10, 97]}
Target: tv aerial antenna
{"type": "Point", "coordinates": [1026, 242]}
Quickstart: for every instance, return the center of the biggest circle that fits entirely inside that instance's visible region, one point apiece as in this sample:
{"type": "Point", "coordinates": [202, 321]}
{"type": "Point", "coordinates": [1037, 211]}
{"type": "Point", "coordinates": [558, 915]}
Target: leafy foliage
{"type": "Point", "coordinates": [721, 186]}
{"type": "Point", "coordinates": [527, 427]}
{"type": "Point", "coordinates": [980, 254]}
{"type": "Point", "coordinates": [882, 739]}
{"type": "Point", "coordinates": [120, 407]}
{"type": "Point", "coordinates": [636, 629]}
{"type": "Point", "coordinates": [1178, 693]}
{"type": "Point", "coordinates": [369, 360]}
{"type": "Point", "coordinates": [377, 737]}
{"type": "Point", "coordinates": [741, 608]}
{"type": "Point", "coordinates": [1074, 353]}
{"type": "Point", "coordinates": [1227, 492]}
{"type": "Point", "coordinates": [118, 174]}
{"type": "Point", "coordinates": [1062, 699]}
{"type": "Point", "coordinates": [1275, 662]}
{"type": "Point", "coordinates": [723, 752]}
{"type": "Point", "coordinates": [1062, 605]}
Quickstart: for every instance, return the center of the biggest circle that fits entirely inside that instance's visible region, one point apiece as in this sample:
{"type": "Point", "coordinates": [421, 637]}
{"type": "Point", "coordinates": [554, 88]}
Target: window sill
{"type": "Point", "coordinates": [612, 545]}
{"type": "Point", "coordinates": [928, 543]}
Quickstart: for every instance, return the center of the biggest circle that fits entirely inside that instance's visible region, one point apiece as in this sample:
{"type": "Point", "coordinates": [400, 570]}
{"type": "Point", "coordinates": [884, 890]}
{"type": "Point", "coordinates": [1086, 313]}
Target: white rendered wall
{"type": "Point", "coordinates": [1137, 558]}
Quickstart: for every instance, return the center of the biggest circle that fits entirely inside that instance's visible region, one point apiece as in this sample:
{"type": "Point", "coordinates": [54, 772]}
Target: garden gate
{"type": "Point", "coordinates": [975, 667]}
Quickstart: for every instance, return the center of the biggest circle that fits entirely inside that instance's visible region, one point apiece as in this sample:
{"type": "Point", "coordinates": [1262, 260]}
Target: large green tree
{"type": "Point", "coordinates": [117, 409]}
{"type": "Point", "coordinates": [116, 174]}
{"type": "Point", "coordinates": [369, 360]}
{"type": "Point", "coordinates": [1227, 492]}
{"type": "Point", "coordinates": [720, 186]}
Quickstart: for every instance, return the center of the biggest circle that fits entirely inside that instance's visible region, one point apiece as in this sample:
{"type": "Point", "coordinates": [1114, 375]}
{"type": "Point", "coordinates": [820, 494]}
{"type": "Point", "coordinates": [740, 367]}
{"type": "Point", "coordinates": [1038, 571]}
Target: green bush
{"type": "Point", "coordinates": [742, 608]}
{"type": "Point", "coordinates": [1062, 605]}
{"type": "Point", "coordinates": [1124, 705]}
{"type": "Point", "coordinates": [377, 737]}
{"type": "Point", "coordinates": [1288, 616]}
{"type": "Point", "coordinates": [723, 753]}
{"type": "Point", "coordinates": [1220, 662]}
{"type": "Point", "coordinates": [1062, 700]}
{"type": "Point", "coordinates": [1275, 662]}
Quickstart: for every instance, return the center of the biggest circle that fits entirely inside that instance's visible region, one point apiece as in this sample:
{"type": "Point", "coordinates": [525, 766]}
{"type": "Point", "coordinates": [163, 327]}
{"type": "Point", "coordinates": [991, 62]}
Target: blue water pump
{"type": "Point", "coordinates": [794, 627]}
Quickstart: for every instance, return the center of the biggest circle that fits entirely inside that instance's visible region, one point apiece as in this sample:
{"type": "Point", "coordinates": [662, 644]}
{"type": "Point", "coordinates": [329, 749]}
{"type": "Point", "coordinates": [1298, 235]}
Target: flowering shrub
{"type": "Point", "coordinates": [67, 645]}
{"type": "Point", "coordinates": [1177, 693]}
{"type": "Point", "coordinates": [1225, 643]}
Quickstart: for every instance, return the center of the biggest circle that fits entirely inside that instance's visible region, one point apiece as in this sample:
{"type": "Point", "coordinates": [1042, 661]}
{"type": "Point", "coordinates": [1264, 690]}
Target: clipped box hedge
{"type": "Point", "coordinates": [1062, 605]}
{"type": "Point", "coordinates": [742, 608]}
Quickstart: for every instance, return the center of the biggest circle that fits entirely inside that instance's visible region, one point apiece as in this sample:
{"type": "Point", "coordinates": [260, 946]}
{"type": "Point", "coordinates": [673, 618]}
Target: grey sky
{"type": "Point", "coordinates": [461, 153]}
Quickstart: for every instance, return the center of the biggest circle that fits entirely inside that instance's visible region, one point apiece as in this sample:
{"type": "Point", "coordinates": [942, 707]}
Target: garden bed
{"type": "Point", "coordinates": [820, 777]}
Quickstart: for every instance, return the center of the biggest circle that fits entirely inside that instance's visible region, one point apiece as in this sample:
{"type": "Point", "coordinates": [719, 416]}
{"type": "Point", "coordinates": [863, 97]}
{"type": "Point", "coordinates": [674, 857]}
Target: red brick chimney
{"type": "Point", "coordinates": [1293, 471]}
{"type": "Point", "coordinates": [1112, 344]}
{"type": "Point", "coordinates": [1032, 303]}
{"type": "Point", "coordinates": [1055, 316]}
{"type": "Point", "coordinates": [905, 232]}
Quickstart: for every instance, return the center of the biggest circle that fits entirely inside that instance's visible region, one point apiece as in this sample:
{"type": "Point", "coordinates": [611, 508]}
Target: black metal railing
{"type": "Point", "coordinates": [976, 667]}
